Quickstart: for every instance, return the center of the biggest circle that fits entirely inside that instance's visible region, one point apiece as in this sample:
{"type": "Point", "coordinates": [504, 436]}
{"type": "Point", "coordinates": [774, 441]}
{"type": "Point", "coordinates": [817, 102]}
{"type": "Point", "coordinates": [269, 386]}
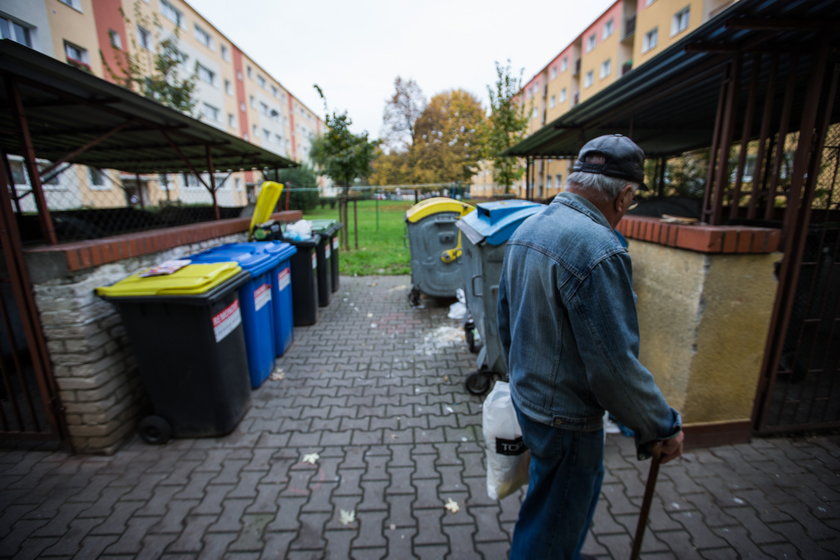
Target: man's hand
{"type": "Point", "coordinates": [671, 448]}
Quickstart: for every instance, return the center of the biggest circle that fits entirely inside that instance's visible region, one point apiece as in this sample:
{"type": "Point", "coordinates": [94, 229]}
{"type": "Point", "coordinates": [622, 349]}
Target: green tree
{"type": "Point", "coordinates": [302, 184]}
{"type": "Point", "coordinates": [160, 74]}
{"type": "Point", "coordinates": [448, 138]}
{"type": "Point", "coordinates": [505, 127]}
{"type": "Point", "coordinates": [342, 155]}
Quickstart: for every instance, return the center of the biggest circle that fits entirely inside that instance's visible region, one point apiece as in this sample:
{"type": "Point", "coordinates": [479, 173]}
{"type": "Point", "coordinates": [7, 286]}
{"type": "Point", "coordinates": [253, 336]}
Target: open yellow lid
{"type": "Point", "coordinates": [193, 279]}
{"type": "Point", "coordinates": [436, 205]}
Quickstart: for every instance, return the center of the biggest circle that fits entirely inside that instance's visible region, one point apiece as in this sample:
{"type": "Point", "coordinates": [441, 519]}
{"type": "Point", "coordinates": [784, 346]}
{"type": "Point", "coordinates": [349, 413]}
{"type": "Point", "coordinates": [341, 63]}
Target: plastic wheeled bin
{"type": "Point", "coordinates": [305, 280]}
{"type": "Point", "coordinates": [323, 254]}
{"type": "Point", "coordinates": [330, 229]}
{"type": "Point", "coordinates": [257, 299]}
{"type": "Point", "coordinates": [186, 331]}
{"type": "Point", "coordinates": [435, 246]}
{"type": "Point", "coordinates": [486, 231]}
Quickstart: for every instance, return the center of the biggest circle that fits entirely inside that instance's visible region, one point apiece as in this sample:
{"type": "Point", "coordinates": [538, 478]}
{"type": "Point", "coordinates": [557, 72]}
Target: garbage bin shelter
{"type": "Point", "coordinates": [330, 229]}
{"type": "Point", "coordinates": [486, 232]}
{"type": "Point", "coordinates": [186, 332]}
{"type": "Point", "coordinates": [255, 300]}
{"type": "Point", "coordinates": [435, 246]}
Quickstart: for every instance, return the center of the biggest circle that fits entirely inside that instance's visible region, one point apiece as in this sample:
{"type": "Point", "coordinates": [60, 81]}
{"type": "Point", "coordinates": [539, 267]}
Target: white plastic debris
{"type": "Point", "coordinates": [452, 506]}
{"type": "Point", "coordinates": [311, 458]}
{"type": "Point", "coordinates": [373, 325]}
{"type": "Point", "coordinates": [457, 311]}
{"type": "Point", "coordinates": [439, 339]}
{"type": "Point", "coordinates": [738, 501]}
{"type": "Point", "coordinates": [278, 375]}
{"type": "Point", "coordinates": [302, 229]}
{"type": "Point", "coordinates": [346, 517]}
{"type": "Point", "coordinates": [369, 315]}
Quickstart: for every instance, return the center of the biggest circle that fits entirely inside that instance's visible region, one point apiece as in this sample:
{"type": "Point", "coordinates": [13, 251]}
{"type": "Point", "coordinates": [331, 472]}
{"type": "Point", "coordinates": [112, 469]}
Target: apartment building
{"type": "Point", "coordinates": [626, 35]}
{"type": "Point", "coordinates": [233, 92]}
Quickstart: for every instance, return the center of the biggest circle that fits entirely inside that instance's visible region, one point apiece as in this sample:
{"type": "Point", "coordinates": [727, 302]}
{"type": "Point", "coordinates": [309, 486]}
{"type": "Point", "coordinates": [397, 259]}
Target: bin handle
{"type": "Point", "coordinates": [472, 285]}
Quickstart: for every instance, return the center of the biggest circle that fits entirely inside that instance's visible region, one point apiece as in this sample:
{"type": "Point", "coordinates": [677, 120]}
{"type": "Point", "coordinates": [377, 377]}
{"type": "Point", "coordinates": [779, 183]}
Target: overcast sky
{"type": "Point", "coordinates": [355, 49]}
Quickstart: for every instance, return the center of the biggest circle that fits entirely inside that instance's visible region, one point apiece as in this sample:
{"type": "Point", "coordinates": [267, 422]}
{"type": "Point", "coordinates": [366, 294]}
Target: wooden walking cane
{"type": "Point", "coordinates": [656, 458]}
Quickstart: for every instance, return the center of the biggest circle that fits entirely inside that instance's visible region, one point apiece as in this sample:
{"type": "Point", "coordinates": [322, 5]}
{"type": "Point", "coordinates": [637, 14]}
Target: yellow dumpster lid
{"type": "Point", "coordinates": [436, 205]}
{"type": "Point", "coordinates": [193, 279]}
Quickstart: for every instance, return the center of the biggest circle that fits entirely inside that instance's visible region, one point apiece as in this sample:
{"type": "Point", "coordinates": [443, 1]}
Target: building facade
{"type": "Point", "coordinates": [233, 93]}
{"type": "Point", "coordinates": [625, 36]}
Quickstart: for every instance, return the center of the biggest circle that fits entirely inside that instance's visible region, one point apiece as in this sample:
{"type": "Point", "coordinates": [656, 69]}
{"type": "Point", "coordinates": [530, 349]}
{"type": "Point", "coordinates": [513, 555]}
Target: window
{"type": "Point", "coordinates": [649, 2]}
{"type": "Point", "coordinates": [144, 37]}
{"type": "Point", "coordinates": [564, 63]}
{"type": "Point", "coordinates": [552, 102]}
{"type": "Point", "coordinates": [205, 74]}
{"type": "Point", "coordinates": [606, 68]}
{"type": "Point", "coordinates": [559, 180]}
{"type": "Point", "coordinates": [548, 182]}
{"type": "Point", "coordinates": [16, 32]}
{"type": "Point", "coordinates": [203, 37]}
{"type": "Point", "coordinates": [231, 120]}
{"type": "Point", "coordinates": [164, 181]}
{"type": "Point", "coordinates": [680, 21]}
{"type": "Point", "coordinates": [553, 73]}
{"type": "Point", "coordinates": [534, 113]}
{"type": "Point", "coordinates": [252, 101]}
{"type": "Point", "coordinates": [76, 55]}
{"type": "Point", "coordinates": [587, 80]}
{"type": "Point", "coordinates": [590, 42]}
{"type": "Point", "coordinates": [274, 91]}
{"type": "Point", "coordinates": [250, 73]}
{"type": "Point", "coordinates": [97, 177]}
{"type": "Point", "coordinates": [261, 81]}
{"type": "Point", "coordinates": [278, 139]}
{"type": "Point", "coordinates": [209, 112]}
{"type": "Point", "coordinates": [72, 3]}
{"type": "Point", "coordinates": [563, 95]}
{"type": "Point", "coordinates": [225, 53]}
{"type": "Point", "coordinates": [190, 180]}
{"type": "Point", "coordinates": [267, 135]}
{"type": "Point", "coordinates": [116, 40]}
{"type": "Point", "coordinates": [608, 28]}
{"type": "Point", "coordinates": [264, 108]}
{"type": "Point", "coordinates": [172, 13]}
{"type": "Point", "coordinates": [650, 40]}
{"type": "Point", "coordinates": [228, 87]}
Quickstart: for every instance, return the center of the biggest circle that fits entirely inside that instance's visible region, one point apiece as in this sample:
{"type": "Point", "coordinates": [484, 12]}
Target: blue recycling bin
{"type": "Point", "coordinates": [487, 230]}
{"type": "Point", "coordinates": [281, 294]}
{"type": "Point", "coordinates": [255, 299]}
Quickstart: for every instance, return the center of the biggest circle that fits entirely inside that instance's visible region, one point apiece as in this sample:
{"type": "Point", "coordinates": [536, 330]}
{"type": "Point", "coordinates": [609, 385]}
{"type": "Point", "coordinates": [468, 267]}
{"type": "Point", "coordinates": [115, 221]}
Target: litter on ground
{"type": "Point", "coordinates": [452, 506]}
{"type": "Point", "coordinates": [311, 458]}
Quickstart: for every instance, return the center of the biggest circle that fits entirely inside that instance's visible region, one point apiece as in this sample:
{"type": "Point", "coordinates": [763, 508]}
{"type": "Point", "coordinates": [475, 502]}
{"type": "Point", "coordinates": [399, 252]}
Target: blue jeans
{"type": "Point", "coordinates": [567, 468]}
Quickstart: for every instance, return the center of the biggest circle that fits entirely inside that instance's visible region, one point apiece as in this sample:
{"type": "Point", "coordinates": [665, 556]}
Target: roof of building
{"type": "Point", "coordinates": [77, 117]}
{"type": "Point", "coordinates": [668, 105]}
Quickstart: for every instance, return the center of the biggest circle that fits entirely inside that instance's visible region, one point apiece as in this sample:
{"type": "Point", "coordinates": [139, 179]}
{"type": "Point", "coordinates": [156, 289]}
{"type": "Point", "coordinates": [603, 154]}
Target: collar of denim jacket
{"type": "Point", "coordinates": [579, 203]}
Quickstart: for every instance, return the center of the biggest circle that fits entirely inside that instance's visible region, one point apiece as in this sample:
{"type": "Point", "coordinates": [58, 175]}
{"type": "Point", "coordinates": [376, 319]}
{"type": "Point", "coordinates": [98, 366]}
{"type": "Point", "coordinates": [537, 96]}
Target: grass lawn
{"type": "Point", "coordinates": [381, 251]}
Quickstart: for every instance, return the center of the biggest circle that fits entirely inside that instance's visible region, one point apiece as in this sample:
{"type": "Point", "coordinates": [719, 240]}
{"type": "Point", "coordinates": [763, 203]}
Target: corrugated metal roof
{"type": "Point", "coordinates": [67, 108]}
{"type": "Point", "coordinates": [668, 105]}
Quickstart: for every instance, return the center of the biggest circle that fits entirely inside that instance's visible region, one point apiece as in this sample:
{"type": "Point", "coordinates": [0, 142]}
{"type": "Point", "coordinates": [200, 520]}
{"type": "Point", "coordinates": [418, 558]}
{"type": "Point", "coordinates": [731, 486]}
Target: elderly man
{"type": "Point", "coordinates": [567, 319]}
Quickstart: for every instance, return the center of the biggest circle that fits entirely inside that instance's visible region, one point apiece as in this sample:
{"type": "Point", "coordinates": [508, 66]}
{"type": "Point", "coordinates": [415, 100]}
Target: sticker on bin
{"type": "Point", "coordinates": [226, 321]}
{"type": "Point", "coordinates": [335, 243]}
{"type": "Point", "coordinates": [327, 252]}
{"type": "Point", "coordinates": [262, 295]}
{"type": "Point", "coordinates": [314, 261]}
{"type": "Point", "coordinates": [284, 279]}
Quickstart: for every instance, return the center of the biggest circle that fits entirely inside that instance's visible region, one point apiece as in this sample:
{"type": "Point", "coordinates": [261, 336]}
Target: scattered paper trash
{"type": "Point", "coordinates": [452, 506]}
{"type": "Point", "coordinates": [347, 517]}
{"type": "Point", "coordinates": [311, 458]}
{"type": "Point", "coordinates": [278, 375]}
{"type": "Point", "coordinates": [370, 315]}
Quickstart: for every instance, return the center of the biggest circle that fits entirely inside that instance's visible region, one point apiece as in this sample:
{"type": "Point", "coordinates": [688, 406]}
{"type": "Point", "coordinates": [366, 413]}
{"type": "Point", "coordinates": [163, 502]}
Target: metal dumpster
{"type": "Point", "coordinates": [486, 231]}
{"type": "Point", "coordinates": [435, 245]}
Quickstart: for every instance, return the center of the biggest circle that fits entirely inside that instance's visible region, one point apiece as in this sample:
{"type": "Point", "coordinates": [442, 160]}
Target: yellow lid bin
{"type": "Point", "coordinates": [436, 205]}
{"type": "Point", "coordinates": [194, 279]}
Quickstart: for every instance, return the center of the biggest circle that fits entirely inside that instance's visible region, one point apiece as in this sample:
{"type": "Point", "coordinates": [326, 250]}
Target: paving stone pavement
{"type": "Point", "coordinates": [375, 388]}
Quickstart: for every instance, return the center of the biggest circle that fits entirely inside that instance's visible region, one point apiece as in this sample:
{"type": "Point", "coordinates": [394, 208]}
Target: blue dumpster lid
{"type": "Point", "coordinates": [255, 258]}
{"type": "Point", "coordinates": [494, 222]}
{"type": "Point", "coordinates": [279, 249]}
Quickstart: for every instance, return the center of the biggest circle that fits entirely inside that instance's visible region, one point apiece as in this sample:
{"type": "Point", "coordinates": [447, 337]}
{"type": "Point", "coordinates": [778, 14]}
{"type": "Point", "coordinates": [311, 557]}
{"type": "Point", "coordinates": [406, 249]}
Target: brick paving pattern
{"type": "Point", "coordinates": [376, 390]}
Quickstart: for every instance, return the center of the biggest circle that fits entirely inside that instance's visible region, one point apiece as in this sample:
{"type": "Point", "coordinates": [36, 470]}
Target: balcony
{"type": "Point", "coordinates": [629, 28]}
{"type": "Point", "coordinates": [576, 69]}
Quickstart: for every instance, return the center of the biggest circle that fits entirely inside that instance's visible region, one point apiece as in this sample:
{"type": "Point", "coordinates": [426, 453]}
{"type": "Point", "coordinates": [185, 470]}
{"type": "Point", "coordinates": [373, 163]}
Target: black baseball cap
{"type": "Point", "coordinates": [623, 158]}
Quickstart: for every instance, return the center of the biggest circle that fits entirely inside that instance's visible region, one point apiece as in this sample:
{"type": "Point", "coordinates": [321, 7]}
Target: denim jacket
{"type": "Point", "coordinates": [568, 326]}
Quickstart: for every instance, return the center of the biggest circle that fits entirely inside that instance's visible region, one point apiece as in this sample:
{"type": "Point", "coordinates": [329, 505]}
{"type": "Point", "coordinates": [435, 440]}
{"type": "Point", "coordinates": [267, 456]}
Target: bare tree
{"type": "Point", "coordinates": [402, 110]}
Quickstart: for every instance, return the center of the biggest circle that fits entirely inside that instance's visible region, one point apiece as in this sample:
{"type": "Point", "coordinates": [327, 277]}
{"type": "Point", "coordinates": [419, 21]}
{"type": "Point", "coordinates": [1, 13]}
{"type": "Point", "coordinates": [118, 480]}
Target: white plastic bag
{"type": "Point", "coordinates": [507, 456]}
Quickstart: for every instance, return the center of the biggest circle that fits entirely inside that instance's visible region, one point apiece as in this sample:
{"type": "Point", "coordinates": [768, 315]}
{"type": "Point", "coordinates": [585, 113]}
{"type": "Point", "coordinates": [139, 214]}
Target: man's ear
{"type": "Point", "coordinates": [623, 200]}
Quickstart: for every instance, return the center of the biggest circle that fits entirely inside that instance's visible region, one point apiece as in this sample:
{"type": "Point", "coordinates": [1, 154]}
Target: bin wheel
{"type": "Point", "coordinates": [478, 382]}
{"type": "Point", "coordinates": [414, 297]}
{"type": "Point", "coordinates": [155, 430]}
{"type": "Point", "coordinates": [469, 334]}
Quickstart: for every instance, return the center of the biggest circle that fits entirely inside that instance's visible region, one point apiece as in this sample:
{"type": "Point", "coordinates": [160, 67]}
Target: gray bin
{"type": "Point", "coordinates": [486, 232]}
{"type": "Point", "coordinates": [433, 242]}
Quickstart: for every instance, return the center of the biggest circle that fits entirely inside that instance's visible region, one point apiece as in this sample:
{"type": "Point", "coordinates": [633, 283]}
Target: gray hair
{"type": "Point", "coordinates": [599, 186]}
